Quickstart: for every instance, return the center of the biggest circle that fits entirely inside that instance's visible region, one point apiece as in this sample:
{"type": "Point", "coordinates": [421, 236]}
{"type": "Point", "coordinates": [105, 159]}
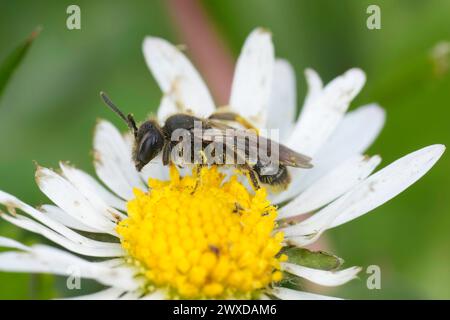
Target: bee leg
{"type": "Point", "coordinates": [198, 169]}
{"type": "Point", "coordinates": [252, 177]}
{"type": "Point", "coordinates": [254, 180]}
{"type": "Point", "coordinates": [166, 154]}
{"type": "Point", "coordinates": [197, 175]}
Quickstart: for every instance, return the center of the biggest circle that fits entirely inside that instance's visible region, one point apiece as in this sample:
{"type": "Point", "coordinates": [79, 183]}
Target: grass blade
{"type": "Point", "coordinates": [13, 60]}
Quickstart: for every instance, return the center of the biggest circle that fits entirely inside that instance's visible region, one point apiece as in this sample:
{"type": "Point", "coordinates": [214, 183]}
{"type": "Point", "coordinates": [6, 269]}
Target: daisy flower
{"type": "Point", "coordinates": [161, 240]}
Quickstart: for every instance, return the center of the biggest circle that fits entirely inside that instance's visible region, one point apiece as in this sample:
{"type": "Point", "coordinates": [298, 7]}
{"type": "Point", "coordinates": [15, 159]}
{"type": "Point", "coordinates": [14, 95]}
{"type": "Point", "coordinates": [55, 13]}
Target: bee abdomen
{"type": "Point", "coordinates": [279, 180]}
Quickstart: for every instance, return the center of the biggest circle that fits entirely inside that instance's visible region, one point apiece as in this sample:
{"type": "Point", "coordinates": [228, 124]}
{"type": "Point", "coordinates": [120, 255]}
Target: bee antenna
{"type": "Point", "coordinates": [128, 119]}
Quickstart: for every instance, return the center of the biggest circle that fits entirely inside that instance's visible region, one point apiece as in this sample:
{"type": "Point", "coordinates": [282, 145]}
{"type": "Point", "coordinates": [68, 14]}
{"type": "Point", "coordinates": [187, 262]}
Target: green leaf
{"type": "Point", "coordinates": [312, 259]}
{"type": "Point", "coordinates": [291, 281]}
{"type": "Point", "coordinates": [13, 60]}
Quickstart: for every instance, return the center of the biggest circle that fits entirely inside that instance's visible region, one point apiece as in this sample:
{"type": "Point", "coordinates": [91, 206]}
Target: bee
{"type": "Point", "coordinates": [212, 143]}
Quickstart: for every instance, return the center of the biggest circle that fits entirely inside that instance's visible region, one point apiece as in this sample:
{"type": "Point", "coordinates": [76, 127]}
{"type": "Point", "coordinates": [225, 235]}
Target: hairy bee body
{"type": "Point", "coordinates": [151, 139]}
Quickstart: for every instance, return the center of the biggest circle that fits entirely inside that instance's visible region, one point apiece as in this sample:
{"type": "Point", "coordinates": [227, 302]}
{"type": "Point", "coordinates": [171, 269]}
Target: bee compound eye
{"type": "Point", "coordinates": [149, 147]}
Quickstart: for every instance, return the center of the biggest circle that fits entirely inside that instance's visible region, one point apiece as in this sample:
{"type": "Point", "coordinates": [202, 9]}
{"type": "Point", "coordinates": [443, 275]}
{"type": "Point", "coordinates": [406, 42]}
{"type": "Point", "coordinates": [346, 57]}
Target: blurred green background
{"type": "Point", "coordinates": [50, 107]}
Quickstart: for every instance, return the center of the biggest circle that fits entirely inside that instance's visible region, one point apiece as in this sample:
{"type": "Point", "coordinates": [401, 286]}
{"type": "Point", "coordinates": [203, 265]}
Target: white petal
{"type": "Point", "coordinates": [353, 136]}
{"type": "Point", "coordinates": [283, 99]}
{"type": "Point", "coordinates": [13, 244]}
{"type": "Point", "coordinates": [357, 131]}
{"type": "Point", "coordinates": [321, 277]}
{"type": "Point", "coordinates": [12, 203]}
{"type": "Point", "coordinates": [155, 170]}
{"type": "Point", "coordinates": [113, 263]}
{"type": "Point", "coordinates": [315, 87]}
{"type": "Point", "coordinates": [317, 122]}
{"type": "Point", "coordinates": [252, 80]}
{"type": "Point", "coordinates": [113, 162]}
{"type": "Point", "coordinates": [84, 246]}
{"type": "Point", "coordinates": [84, 185]}
{"type": "Point", "coordinates": [167, 107]}
{"type": "Point", "coordinates": [367, 195]}
{"type": "Point", "coordinates": [177, 77]}
{"type": "Point", "coordinates": [69, 199]}
{"type": "Point", "coordinates": [331, 186]}
{"type": "Point", "coordinates": [389, 182]}
{"type": "Point", "coordinates": [88, 185]}
{"type": "Point", "coordinates": [107, 294]}
{"type": "Point", "coordinates": [290, 294]}
{"type": "Point", "coordinates": [57, 214]}
{"type": "Point", "coordinates": [45, 259]}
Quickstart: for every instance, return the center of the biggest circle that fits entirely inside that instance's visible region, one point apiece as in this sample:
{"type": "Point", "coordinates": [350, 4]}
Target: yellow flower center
{"type": "Point", "coordinates": [210, 239]}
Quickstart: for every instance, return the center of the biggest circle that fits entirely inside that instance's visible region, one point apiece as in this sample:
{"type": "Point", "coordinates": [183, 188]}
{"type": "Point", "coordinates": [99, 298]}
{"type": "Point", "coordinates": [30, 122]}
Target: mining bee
{"type": "Point", "coordinates": [211, 144]}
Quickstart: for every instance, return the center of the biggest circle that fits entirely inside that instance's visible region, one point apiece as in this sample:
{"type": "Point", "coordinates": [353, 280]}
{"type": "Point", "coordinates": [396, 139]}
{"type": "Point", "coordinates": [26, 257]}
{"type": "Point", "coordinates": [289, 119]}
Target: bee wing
{"type": "Point", "coordinates": [291, 158]}
{"type": "Point", "coordinates": [247, 143]}
{"type": "Point", "coordinates": [222, 144]}
{"type": "Point", "coordinates": [286, 156]}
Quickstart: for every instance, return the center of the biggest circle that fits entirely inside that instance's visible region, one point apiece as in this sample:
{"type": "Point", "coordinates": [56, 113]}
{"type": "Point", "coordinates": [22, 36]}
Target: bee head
{"type": "Point", "coordinates": [149, 139]}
